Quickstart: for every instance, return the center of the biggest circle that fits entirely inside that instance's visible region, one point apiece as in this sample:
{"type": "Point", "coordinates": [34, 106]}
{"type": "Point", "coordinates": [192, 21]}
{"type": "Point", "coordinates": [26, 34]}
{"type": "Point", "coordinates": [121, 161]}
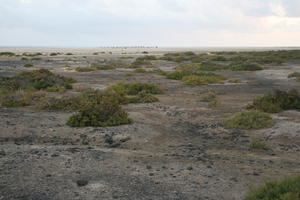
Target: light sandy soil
{"type": "Point", "coordinates": [175, 149]}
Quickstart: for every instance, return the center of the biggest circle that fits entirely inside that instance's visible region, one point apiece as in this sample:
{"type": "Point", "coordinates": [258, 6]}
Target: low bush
{"type": "Point", "coordinates": [294, 75]}
{"type": "Point", "coordinates": [138, 63]}
{"type": "Point", "coordinates": [28, 65]}
{"type": "Point", "coordinates": [134, 88]}
{"type": "Point", "coordinates": [106, 66]}
{"type": "Point", "coordinates": [35, 79]}
{"type": "Point", "coordinates": [256, 144]}
{"type": "Point", "coordinates": [54, 54]}
{"type": "Point", "coordinates": [140, 70]}
{"type": "Point", "coordinates": [20, 98]}
{"type": "Point", "coordinates": [245, 67]}
{"type": "Point", "coordinates": [102, 114]}
{"type": "Point", "coordinates": [285, 189]}
{"type": "Point", "coordinates": [32, 54]}
{"type": "Point", "coordinates": [7, 54]}
{"type": "Point", "coordinates": [249, 120]}
{"type": "Point", "coordinates": [277, 101]}
{"type": "Point", "coordinates": [85, 69]}
{"type": "Point", "coordinates": [203, 79]}
{"type": "Point", "coordinates": [234, 80]}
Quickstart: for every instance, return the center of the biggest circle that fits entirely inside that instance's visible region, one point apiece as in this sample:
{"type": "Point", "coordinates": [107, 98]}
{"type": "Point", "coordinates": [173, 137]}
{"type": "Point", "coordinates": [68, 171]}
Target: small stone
{"type": "Point", "coordinates": [81, 183]}
{"type": "Point", "coordinates": [148, 167]}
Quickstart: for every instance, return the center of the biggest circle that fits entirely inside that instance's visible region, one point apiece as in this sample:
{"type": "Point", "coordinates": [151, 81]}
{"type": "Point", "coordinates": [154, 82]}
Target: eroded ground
{"type": "Point", "coordinates": [175, 149]}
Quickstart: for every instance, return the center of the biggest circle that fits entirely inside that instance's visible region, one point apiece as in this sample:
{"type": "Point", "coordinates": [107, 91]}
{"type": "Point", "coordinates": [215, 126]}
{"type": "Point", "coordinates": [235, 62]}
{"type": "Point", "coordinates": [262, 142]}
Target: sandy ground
{"type": "Point", "coordinates": [175, 149]}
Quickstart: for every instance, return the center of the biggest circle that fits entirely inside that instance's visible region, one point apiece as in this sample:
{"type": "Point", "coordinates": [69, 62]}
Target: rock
{"type": "Point", "coordinates": [2, 153]}
{"type": "Point", "coordinates": [81, 183]}
{"type": "Point", "coordinates": [108, 139]}
{"type": "Point", "coordinates": [148, 167]}
{"type": "Point", "coordinates": [189, 168]}
{"type": "Point", "coordinates": [115, 144]}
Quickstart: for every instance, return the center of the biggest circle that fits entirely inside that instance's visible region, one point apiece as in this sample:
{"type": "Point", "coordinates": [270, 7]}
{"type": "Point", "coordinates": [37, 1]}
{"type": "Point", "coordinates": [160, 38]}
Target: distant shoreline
{"type": "Point", "coordinates": [138, 49]}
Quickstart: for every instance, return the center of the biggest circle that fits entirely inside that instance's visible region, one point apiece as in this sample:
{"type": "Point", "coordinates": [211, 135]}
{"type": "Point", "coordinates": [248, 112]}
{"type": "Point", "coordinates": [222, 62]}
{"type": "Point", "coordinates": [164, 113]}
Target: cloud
{"type": "Point", "coordinates": [151, 22]}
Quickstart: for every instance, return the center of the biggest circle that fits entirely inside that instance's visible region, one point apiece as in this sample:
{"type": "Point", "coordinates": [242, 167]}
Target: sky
{"type": "Point", "coordinates": [164, 23]}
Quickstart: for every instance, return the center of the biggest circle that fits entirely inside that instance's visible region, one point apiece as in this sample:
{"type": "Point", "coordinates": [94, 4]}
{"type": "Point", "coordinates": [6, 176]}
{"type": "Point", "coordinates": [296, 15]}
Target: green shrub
{"type": "Point", "coordinates": [140, 70]}
{"type": "Point", "coordinates": [102, 114]}
{"type": "Point", "coordinates": [286, 189]}
{"type": "Point", "coordinates": [106, 66]}
{"type": "Point", "coordinates": [245, 67]}
{"type": "Point", "coordinates": [85, 69]}
{"type": "Point", "coordinates": [7, 54]}
{"type": "Point", "coordinates": [294, 75]}
{"type": "Point", "coordinates": [234, 80]}
{"type": "Point", "coordinates": [32, 54]}
{"type": "Point", "coordinates": [249, 120]}
{"type": "Point", "coordinates": [54, 54]}
{"type": "Point", "coordinates": [36, 58]}
{"type": "Point", "coordinates": [277, 101]}
{"type": "Point", "coordinates": [19, 98]}
{"type": "Point", "coordinates": [134, 88]}
{"type": "Point", "coordinates": [35, 79]}
{"type": "Point", "coordinates": [28, 65]}
{"type": "Point", "coordinates": [256, 144]}
{"type": "Point", "coordinates": [158, 71]}
{"type": "Point", "coordinates": [138, 63]}
{"type": "Point", "coordinates": [178, 75]}
{"type": "Point", "coordinates": [203, 79]}
{"type": "Point", "coordinates": [143, 97]}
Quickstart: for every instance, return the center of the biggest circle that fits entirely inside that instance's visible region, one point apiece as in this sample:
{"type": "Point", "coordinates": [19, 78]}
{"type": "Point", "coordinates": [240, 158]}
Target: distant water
{"type": "Point", "coordinates": [138, 49]}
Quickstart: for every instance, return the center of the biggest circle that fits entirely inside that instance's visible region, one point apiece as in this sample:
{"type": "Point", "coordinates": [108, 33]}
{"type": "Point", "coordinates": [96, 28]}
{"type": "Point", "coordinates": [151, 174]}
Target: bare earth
{"type": "Point", "coordinates": [175, 149]}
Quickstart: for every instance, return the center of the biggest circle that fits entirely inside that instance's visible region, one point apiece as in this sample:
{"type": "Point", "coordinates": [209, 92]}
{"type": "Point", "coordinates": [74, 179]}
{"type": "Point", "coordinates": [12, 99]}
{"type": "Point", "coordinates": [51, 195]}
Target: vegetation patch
{"type": "Point", "coordinates": [286, 189]}
{"type": "Point", "coordinates": [203, 79]}
{"type": "Point", "coordinates": [260, 145]}
{"type": "Point", "coordinates": [245, 67]}
{"type": "Point", "coordinates": [134, 88]}
{"type": "Point", "coordinates": [9, 54]}
{"type": "Point", "coordinates": [277, 101]}
{"type": "Point", "coordinates": [250, 120]}
{"type": "Point", "coordinates": [101, 114]}
{"type": "Point", "coordinates": [28, 65]}
{"type": "Point", "coordinates": [35, 79]}
{"type": "Point", "coordinates": [85, 69]}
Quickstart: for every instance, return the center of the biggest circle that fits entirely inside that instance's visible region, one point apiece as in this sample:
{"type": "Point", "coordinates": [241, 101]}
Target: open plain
{"type": "Point", "coordinates": [176, 148]}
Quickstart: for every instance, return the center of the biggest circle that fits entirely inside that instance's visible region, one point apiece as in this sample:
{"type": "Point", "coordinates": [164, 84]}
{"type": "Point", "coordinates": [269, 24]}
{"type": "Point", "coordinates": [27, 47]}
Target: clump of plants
{"type": "Point", "coordinates": [20, 98]}
{"type": "Point", "coordinates": [103, 66]}
{"type": "Point", "coordinates": [141, 62]}
{"type": "Point", "coordinates": [35, 79]}
{"type": "Point", "coordinates": [100, 114]}
{"type": "Point", "coordinates": [140, 70]}
{"type": "Point", "coordinates": [294, 75]}
{"type": "Point", "coordinates": [28, 65]}
{"type": "Point", "coordinates": [212, 98]}
{"type": "Point", "coordinates": [260, 145]}
{"type": "Point", "coordinates": [244, 66]}
{"type": "Point", "coordinates": [234, 80]}
{"type": "Point", "coordinates": [203, 79]}
{"type": "Point", "coordinates": [277, 101]}
{"type": "Point", "coordinates": [190, 75]}
{"type": "Point", "coordinates": [85, 69]}
{"type": "Point", "coordinates": [32, 54]}
{"type": "Point", "coordinates": [253, 119]}
{"type": "Point", "coordinates": [9, 54]}
{"type": "Point", "coordinates": [285, 189]}
{"type": "Point", "coordinates": [133, 88]}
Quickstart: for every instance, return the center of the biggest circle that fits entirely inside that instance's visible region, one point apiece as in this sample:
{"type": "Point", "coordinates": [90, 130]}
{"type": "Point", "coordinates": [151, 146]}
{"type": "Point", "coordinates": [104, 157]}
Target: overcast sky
{"type": "Point", "coordinates": [186, 23]}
